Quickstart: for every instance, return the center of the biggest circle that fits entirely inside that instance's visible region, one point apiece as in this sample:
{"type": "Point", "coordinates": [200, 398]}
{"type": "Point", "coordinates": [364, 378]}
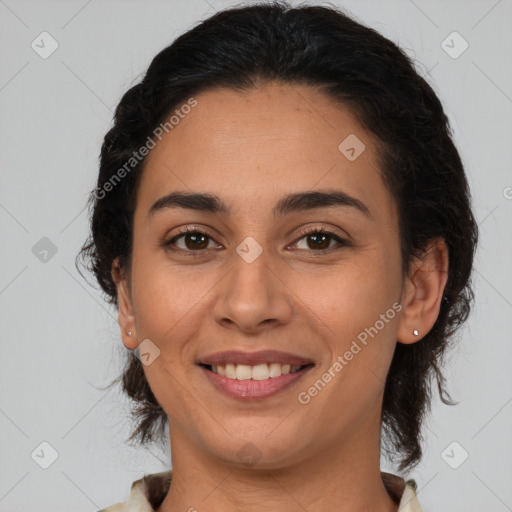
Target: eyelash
{"type": "Point", "coordinates": [305, 232]}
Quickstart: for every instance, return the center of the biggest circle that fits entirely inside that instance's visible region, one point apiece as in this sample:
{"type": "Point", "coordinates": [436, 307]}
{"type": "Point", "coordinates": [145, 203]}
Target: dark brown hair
{"type": "Point", "coordinates": [318, 46]}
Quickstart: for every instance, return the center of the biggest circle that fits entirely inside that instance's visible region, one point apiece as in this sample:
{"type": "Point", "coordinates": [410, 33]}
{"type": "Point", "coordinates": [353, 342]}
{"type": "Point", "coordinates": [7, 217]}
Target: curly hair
{"type": "Point", "coordinates": [242, 47]}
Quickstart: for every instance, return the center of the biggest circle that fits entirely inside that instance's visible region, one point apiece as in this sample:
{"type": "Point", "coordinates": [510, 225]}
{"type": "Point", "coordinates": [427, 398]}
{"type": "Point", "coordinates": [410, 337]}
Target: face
{"type": "Point", "coordinates": [255, 278]}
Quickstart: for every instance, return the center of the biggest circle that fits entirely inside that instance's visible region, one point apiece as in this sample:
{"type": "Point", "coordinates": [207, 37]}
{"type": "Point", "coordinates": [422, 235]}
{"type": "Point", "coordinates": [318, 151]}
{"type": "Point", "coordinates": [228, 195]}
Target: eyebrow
{"type": "Point", "coordinates": [296, 202]}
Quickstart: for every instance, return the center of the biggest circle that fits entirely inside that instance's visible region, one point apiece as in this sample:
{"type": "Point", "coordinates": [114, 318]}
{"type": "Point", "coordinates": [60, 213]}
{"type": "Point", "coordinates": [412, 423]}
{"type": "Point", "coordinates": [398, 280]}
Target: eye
{"type": "Point", "coordinates": [194, 239]}
{"type": "Point", "coordinates": [321, 239]}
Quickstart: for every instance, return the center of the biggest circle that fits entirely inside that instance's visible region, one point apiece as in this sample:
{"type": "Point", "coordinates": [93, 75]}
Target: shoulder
{"type": "Point", "coordinates": [403, 492]}
{"type": "Point", "coordinates": [146, 494]}
{"type": "Point", "coordinates": [409, 501]}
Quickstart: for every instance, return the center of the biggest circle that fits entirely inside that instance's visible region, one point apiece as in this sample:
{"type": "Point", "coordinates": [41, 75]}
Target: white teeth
{"type": "Point", "coordinates": [275, 370]}
{"type": "Point", "coordinates": [243, 372]}
{"type": "Point", "coordinates": [257, 372]}
{"type": "Point", "coordinates": [230, 371]}
{"type": "Point", "coordinates": [260, 372]}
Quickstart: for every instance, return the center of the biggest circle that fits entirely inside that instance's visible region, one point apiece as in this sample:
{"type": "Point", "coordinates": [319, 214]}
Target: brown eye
{"type": "Point", "coordinates": [318, 240]}
{"type": "Point", "coordinates": [193, 241]}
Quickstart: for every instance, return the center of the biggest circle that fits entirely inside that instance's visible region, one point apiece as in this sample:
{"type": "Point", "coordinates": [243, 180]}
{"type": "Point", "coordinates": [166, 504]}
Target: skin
{"type": "Point", "coordinates": [251, 148]}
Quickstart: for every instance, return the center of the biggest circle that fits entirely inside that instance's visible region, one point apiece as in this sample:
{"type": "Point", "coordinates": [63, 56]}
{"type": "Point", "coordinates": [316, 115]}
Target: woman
{"type": "Point", "coordinates": [284, 224]}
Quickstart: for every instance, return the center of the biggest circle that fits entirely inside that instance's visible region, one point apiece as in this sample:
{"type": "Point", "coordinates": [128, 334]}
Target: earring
{"type": "Point", "coordinates": [129, 333]}
{"type": "Point", "coordinates": [415, 332]}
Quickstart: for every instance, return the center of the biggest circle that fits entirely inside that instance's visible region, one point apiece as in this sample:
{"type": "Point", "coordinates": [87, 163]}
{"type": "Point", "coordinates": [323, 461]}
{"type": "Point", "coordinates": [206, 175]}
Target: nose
{"type": "Point", "coordinates": [253, 296]}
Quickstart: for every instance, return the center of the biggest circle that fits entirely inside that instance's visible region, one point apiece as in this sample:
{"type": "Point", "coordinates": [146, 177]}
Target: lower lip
{"type": "Point", "coordinates": [250, 389]}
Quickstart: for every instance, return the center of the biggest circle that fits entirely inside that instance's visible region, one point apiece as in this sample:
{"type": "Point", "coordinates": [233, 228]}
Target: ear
{"type": "Point", "coordinates": [126, 317]}
{"type": "Point", "coordinates": [423, 292]}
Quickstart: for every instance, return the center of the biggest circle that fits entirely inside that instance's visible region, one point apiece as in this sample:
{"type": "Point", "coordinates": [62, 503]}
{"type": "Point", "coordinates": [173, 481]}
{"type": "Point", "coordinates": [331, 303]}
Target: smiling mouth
{"type": "Point", "coordinates": [264, 371]}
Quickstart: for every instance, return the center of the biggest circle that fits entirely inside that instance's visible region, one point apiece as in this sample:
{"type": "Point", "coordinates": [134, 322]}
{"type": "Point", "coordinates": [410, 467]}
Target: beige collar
{"type": "Point", "coordinates": [148, 493]}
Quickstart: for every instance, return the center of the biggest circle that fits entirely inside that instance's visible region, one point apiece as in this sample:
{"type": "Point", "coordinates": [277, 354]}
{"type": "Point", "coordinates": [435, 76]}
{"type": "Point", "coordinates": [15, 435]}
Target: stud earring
{"type": "Point", "coordinates": [415, 332]}
{"type": "Point", "coordinates": [129, 333]}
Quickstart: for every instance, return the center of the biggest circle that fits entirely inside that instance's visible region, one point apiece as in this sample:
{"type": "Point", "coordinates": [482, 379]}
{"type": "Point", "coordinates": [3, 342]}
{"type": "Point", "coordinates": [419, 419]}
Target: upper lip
{"type": "Point", "coordinates": [254, 358]}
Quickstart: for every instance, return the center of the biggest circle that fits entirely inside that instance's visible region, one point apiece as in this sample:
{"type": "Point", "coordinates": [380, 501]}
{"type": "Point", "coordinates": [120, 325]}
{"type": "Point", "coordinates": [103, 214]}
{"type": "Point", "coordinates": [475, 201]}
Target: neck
{"type": "Point", "coordinates": [344, 479]}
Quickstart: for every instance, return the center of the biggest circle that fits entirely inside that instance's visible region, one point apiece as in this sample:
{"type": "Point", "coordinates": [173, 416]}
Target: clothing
{"type": "Point", "coordinates": [148, 493]}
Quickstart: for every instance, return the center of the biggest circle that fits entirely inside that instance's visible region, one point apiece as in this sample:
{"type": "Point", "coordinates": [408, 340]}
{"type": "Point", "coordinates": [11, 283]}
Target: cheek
{"type": "Point", "coordinates": [163, 292]}
{"type": "Point", "coordinates": [357, 324]}
{"type": "Point", "coordinates": [357, 312]}
{"type": "Point", "coordinates": [352, 294]}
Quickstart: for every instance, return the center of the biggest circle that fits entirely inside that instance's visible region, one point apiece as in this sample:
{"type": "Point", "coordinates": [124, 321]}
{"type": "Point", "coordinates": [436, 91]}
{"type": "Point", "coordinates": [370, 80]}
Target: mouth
{"type": "Point", "coordinates": [258, 372]}
{"type": "Point", "coordinates": [257, 375]}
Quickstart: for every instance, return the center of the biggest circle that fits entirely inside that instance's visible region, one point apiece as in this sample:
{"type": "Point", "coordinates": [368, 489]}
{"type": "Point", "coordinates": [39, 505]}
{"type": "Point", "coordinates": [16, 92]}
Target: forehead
{"type": "Point", "coordinates": [251, 146]}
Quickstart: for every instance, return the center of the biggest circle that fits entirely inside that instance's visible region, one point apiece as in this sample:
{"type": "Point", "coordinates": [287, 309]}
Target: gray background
{"type": "Point", "coordinates": [60, 342]}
